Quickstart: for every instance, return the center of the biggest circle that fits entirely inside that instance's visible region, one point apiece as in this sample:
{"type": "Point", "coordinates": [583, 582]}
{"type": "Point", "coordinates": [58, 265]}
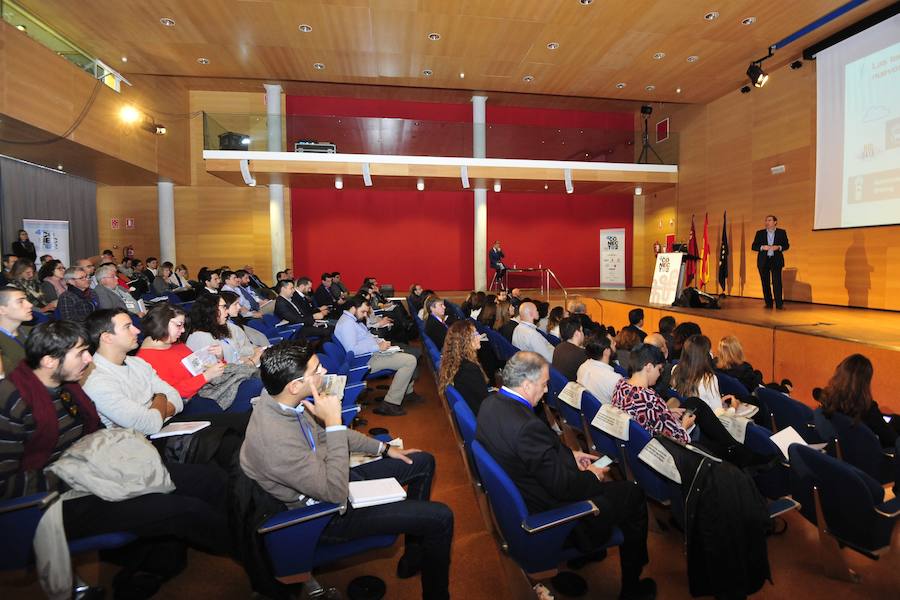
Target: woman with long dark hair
{"type": "Point", "coordinates": [849, 392]}
{"type": "Point", "coordinates": [694, 376]}
{"type": "Point", "coordinates": [459, 364]}
{"type": "Point", "coordinates": [51, 277]}
{"type": "Point", "coordinates": [24, 248]}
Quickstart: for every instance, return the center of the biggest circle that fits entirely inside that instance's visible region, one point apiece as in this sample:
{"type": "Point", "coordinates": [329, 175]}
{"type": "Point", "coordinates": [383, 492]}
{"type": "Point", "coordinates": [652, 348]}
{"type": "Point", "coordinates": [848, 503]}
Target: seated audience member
{"type": "Point", "coordinates": [637, 397]}
{"type": "Point", "coordinates": [127, 391]}
{"type": "Point", "coordinates": [425, 296]}
{"type": "Point", "coordinates": [437, 322]}
{"type": "Point", "coordinates": [730, 360]}
{"type": "Point", "coordinates": [550, 475]}
{"type": "Point", "coordinates": [110, 294]}
{"type": "Point", "coordinates": [338, 287]}
{"type": "Point", "coordinates": [310, 463]}
{"type": "Point", "coordinates": [471, 304]}
{"type": "Point", "coordinates": [163, 349]}
{"type": "Point", "coordinates": [179, 278]}
{"type": "Point", "coordinates": [46, 258]}
{"type": "Point", "coordinates": [569, 354]}
{"type": "Point", "coordinates": [15, 309]}
{"type": "Point", "coordinates": [694, 375]}
{"type": "Point", "coordinates": [246, 349]}
{"type": "Point", "coordinates": [151, 270]}
{"type": "Point", "coordinates": [43, 411]}
{"type": "Point", "coordinates": [22, 277]}
{"type": "Point", "coordinates": [79, 300]}
{"type": "Point", "coordinates": [666, 327]}
{"type": "Point", "coordinates": [126, 267]}
{"type": "Point", "coordinates": [636, 323]}
{"type": "Point", "coordinates": [255, 282]}
{"type": "Point", "coordinates": [488, 315]}
{"type": "Point", "coordinates": [578, 310]}
{"type": "Point", "coordinates": [209, 327]}
{"type": "Point", "coordinates": [137, 284]}
{"type": "Point", "coordinates": [355, 337]}
{"type": "Point", "coordinates": [527, 337]}
{"type": "Point", "coordinates": [679, 336]}
{"type": "Point", "coordinates": [459, 365]}
{"type": "Point", "coordinates": [6, 270]}
{"type": "Point", "coordinates": [323, 294]}
{"type": "Point", "coordinates": [231, 282]}
{"type": "Point", "coordinates": [415, 298]}
{"type": "Point", "coordinates": [210, 282]}
{"type": "Point", "coordinates": [304, 299]}
{"type": "Point", "coordinates": [504, 323]}
{"type": "Point", "coordinates": [51, 277]}
{"type": "Point", "coordinates": [849, 393]}
{"type": "Point", "coordinates": [625, 343]}
{"type": "Point", "coordinates": [557, 314]}
{"type": "Point", "coordinates": [296, 313]}
{"type": "Point", "coordinates": [596, 374]}
{"type": "Point", "coordinates": [515, 298]}
{"type": "Point", "coordinates": [162, 282]}
{"type": "Point", "coordinates": [88, 266]}
{"type": "Point", "coordinates": [543, 312]}
{"type": "Point", "coordinates": [663, 383]}
{"type": "Point", "coordinates": [255, 302]}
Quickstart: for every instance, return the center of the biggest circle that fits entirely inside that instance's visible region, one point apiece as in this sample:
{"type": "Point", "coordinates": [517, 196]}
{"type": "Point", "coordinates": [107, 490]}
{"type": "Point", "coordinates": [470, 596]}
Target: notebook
{"type": "Point", "coordinates": [183, 428]}
{"type": "Point", "coordinates": [376, 491]}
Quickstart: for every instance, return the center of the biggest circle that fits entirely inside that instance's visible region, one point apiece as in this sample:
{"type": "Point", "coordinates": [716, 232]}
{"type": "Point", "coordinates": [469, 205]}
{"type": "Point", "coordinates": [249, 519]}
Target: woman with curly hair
{"type": "Point", "coordinates": [459, 365]}
{"type": "Point", "coordinates": [51, 277]}
{"type": "Point", "coordinates": [22, 276]}
{"type": "Point", "coordinates": [849, 392]}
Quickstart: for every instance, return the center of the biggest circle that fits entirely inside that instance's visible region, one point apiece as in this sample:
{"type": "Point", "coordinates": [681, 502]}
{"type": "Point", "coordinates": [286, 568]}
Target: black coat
{"type": "Point", "coordinates": [436, 330]}
{"type": "Point", "coordinates": [286, 311]}
{"type": "Point", "coordinates": [24, 250]}
{"type": "Point", "coordinates": [760, 239]}
{"type": "Point", "coordinates": [469, 382]}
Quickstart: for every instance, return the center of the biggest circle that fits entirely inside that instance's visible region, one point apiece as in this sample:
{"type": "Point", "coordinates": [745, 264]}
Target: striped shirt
{"type": "Point", "coordinates": [16, 425]}
{"type": "Point", "coordinates": [649, 410]}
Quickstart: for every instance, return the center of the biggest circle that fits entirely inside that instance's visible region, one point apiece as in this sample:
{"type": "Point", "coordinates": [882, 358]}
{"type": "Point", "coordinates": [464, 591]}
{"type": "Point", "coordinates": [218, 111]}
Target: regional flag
{"type": "Point", "coordinates": [723, 255]}
{"type": "Point", "coordinates": [691, 267]}
{"type": "Point", "coordinates": [704, 253]}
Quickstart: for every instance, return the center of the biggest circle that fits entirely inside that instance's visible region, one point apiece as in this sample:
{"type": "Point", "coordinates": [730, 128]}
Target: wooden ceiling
{"type": "Point", "coordinates": [494, 42]}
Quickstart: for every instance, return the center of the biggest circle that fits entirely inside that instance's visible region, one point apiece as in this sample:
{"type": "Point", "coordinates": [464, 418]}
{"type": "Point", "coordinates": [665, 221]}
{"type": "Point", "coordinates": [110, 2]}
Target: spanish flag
{"type": "Point", "coordinates": [704, 254]}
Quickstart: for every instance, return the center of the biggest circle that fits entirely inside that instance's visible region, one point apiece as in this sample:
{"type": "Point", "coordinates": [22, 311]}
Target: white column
{"type": "Point", "coordinates": [276, 190]}
{"type": "Point", "coordinates": [165, 200]}
{"type": "Point", "coordinates": [478, 151]}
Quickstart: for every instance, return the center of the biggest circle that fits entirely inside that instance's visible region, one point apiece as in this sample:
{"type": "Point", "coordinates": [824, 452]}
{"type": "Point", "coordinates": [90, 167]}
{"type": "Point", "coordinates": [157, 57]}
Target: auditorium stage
{"type": "Point", "coordinates": [802, 343]}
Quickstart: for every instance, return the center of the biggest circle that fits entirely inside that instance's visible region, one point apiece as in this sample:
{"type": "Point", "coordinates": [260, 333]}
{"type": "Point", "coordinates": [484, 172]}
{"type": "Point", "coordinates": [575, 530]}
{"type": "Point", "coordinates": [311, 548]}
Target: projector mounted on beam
{"type": "Point", "coordinates": [315, 147]}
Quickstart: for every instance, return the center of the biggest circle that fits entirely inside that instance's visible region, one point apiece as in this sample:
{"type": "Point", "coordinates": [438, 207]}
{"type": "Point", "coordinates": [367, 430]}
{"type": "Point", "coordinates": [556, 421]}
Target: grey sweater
{"type": "Point", "coordinates": [277, 455]}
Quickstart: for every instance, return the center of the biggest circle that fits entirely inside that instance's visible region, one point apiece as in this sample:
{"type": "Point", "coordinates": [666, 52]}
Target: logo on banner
{"type": "Point", "coordinates": [663, 264]}
{"type": "Point", "coordinates": [47, 240]}
{"type": "Point", "coordinates": [612, 242]}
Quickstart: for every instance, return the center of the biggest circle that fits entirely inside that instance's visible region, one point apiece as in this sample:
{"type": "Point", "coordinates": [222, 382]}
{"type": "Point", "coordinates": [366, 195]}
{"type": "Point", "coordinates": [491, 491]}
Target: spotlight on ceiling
{"type": "Point", "coordinates": [638, 191]}
{"type": "Point", "coordinates": [129, 114]}
{"type": "Point", "coordinates": [420, 185]}
{"type": "Point", "coordinates": [497, 186]}
{"type": "Point", "coordinates": [757, 76]}
{"type": "Point", "coordinates": [338, 183]}
{"type": "Point", "coordinates": [646, 110]}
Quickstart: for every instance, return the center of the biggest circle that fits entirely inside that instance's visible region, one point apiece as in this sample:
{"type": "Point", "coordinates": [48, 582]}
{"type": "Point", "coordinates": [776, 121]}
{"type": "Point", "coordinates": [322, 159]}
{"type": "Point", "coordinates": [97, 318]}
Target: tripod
{"type": "Point", "coordinates": [645, 138]}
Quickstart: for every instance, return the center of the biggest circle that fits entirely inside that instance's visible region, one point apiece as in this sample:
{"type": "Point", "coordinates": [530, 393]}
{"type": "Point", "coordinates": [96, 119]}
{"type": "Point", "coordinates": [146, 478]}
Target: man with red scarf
{"type": "Point", "coordinates": [43, 411]}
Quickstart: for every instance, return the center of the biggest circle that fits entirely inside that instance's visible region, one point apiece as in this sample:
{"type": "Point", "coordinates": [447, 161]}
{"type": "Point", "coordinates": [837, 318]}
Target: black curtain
{"type": "Point", "coordinates": [31, 192]}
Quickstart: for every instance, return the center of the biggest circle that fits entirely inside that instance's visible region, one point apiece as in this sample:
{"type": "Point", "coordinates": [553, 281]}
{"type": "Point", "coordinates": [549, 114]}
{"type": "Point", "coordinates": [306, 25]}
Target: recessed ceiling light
{"type": "Point", "coordinates": [319, 66]}
{"type": "Point", "coordinates": [203, 61]}
{"type": "Point", "coordinates": [659, 55]}
{"type": "Point", "coordinates": [124, 59]}
{"type": "Point", "coordinates": [167, 22]}
{"type": "Point", "coordinates": [305, 28]}
{"type": "Point", "coordinates": [434, 36]}
{"type": "Point", "coordinates": [528, 78]}
{"type": "Point", "coordinates": [59, 167]}
{"type": "Point", "coordinates": [649, 88]}
{"type": "Point", "coordinates": [21, 27]}
{"type": "Point", "coordinates": [427, 72]}
{"type": "Point", "coordinates": [693, 58]}
{"type": "Point", "coordinates": [546, 186]}
{"type": "Point", "coordinates": [586, 2]}
{"type": "Point", "coordinates": [748, 21]}
{"type": "Point", "coordinates": [553, 45]}
{"type": "Point", "coordinates": [620, 85]}
{"type": "Point", "coordinates": [711, 16]}
{"type": "Point", "coordinates": [677, 90]}
{"type": "Point", "coordinates": [462, 75]}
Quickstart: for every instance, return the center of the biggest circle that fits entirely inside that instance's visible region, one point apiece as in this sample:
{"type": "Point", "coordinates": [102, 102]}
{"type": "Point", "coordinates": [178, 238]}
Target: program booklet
{"type": "Point", "coordinates": [373, 492]}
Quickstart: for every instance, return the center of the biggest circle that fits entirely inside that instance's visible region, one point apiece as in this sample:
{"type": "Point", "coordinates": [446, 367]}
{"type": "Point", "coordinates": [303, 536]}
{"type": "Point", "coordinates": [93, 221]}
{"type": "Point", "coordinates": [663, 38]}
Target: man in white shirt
{"type": "Point", "coordinates": [127, 391]}
{"type": "Point", "coordinates": [596, 374]}
{"type": "Point", "coordinates": [353, 335]}
{"type": "Point", "coordinates": [527, 337]}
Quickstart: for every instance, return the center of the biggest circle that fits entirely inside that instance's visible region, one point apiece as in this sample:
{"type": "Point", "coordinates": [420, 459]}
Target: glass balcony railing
{"type": "Point", "coordinates": [408, 137]}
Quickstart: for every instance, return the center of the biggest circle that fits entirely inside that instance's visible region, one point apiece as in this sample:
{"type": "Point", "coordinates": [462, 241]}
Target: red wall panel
{"type": "Point", "coordinates": [398, 237]}
{"type": "Point", "coordinates": [559, 231]}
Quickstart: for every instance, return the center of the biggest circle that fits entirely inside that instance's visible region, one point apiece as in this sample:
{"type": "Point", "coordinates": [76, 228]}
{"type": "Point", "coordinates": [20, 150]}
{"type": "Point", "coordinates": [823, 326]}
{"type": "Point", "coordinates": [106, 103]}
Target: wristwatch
{"type": "Point", "coordinates": [387, 448]}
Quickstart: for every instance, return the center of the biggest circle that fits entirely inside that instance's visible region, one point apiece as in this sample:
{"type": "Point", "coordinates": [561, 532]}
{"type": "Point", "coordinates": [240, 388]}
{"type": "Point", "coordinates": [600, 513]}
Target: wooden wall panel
{"type": "Point", "coordinates": [727, 148]}
{"type": "Point", "coordinates": [138, 203]}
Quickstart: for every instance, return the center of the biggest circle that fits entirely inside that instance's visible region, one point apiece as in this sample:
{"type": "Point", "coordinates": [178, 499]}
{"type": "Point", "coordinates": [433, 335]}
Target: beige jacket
{"type": "Point", "coordinates": [277, 455]}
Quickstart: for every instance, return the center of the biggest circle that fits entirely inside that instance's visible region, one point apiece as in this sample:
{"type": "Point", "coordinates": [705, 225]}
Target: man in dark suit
{"type": "Point", "coordinates": [287, 310]}
{"type": "Point", "coordinates": [636, 322]}
{"type": "Point", "coordinates": [496, 258]}
{"type": "Point", "coordinates": [437, 321]}
{"type": "Point", "coordinates": [323, 294]}
{"type": "Point", "coordinates": [550, 475]}
{"type": "Point", "coordinates": [771, 243]}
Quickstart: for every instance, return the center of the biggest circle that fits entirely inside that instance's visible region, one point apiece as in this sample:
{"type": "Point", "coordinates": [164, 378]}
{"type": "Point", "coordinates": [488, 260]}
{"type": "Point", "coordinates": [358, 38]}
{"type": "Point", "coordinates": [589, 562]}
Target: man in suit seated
{"type": "Point", "coordinates": [569, 353]}
{"type": "Point", "coordinates": [437, 322]}
{"type": "Point", "coordinates": [550, 475]}
{"type": "Point", "coordinates": [287, 310]}
{"type": "Point", "coordinates": [298, 451]}
{"type": "Point", "coordinates": [636, 322]}
{"type": "Point", "coordinates": [323, 294]}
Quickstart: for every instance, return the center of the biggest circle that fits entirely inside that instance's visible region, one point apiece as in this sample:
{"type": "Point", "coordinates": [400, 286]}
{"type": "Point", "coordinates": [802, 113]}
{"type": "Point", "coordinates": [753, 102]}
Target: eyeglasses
{"type": "Point", "coordinates": [68, 403]}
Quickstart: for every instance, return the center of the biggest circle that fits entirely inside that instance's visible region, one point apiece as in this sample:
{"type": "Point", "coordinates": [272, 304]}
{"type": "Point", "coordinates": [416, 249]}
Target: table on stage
{"type": "Point", "coordinates": [541, 272]}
